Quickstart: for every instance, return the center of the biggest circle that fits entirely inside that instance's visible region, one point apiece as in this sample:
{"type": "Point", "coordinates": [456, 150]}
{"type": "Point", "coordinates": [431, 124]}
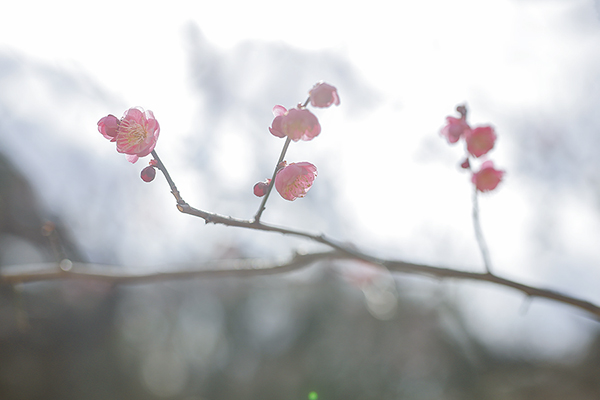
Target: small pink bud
{"type": "Point", "coordinates": [480, 140]}
{"type": "Point", "coordinates": [323, 95]}
{"type": "Point", "coordinates": [148, 174]}
{"type": "Point", "coordinates": [153, 162]}
{"type": "Point", "coordinates": [108, 127]}
{"type": "Point", "coordinates": [466, 164]}
{"type": "Point", "coordinates": [487, 178]}
{"type": "Point", "coordinates": [261, 188]}
{"type": "Point", "coordinates": [281, 165]}
{"type": "Point", "coordinates": [297, 124]}
{"type": "Point", "coordinates": [454, 129]}
{"type": "Point", "coordinates": [295, 180]}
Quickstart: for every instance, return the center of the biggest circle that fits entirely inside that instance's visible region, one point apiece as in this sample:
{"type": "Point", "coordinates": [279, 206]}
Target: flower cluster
{"type": "Point", "coordinates": [295, 179]}
{"type": "Point", "coordinates": [135, 134]}
{"type": "Point", "coordinates": [479, 141]}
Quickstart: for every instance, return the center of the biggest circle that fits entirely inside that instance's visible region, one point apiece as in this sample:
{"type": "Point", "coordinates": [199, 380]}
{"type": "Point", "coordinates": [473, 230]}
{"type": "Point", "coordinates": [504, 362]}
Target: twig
{"type": "Point", "coordinates": [262, 207]}
{"type": "Point", "coordinates": [163, 169]}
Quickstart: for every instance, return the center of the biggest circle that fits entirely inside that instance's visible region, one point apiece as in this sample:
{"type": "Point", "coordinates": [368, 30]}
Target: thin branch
{"type": "Point", "coordinates": [163, 169]}
{"type": "Point", "coordinates": [263, 203]}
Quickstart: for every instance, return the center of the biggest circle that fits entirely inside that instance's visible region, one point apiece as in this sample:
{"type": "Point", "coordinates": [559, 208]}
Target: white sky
{"type": "Point", "coordinates": [401, 188]}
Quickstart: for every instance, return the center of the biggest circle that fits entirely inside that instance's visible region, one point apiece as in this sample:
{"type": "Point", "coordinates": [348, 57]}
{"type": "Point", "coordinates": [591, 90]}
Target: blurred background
{"type": "Point", "coordinates": [388, 184]}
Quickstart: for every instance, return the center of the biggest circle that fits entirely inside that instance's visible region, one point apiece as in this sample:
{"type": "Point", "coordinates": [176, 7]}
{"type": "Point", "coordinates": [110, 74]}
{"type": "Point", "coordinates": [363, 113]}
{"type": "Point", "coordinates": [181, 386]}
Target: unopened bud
{"type": "Point", "coordinates": [261, 188]}
{"type": "Point", "coordinates": [148, 174]}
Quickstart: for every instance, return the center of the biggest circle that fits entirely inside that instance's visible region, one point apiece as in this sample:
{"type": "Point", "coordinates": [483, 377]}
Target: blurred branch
{"type": "Point", "coordinates": [257, 267]}
{"type": "Point", "coordinates": [66, 269]}
{"type": "Point", "coordinates": [485, 254]}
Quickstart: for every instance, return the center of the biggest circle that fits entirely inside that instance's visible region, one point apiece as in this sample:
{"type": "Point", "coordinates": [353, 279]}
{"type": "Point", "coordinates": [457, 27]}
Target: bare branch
{"type": "Point", "coordinates": [119, 275]}
{"type": "Point", "coordinates": [256, 267]}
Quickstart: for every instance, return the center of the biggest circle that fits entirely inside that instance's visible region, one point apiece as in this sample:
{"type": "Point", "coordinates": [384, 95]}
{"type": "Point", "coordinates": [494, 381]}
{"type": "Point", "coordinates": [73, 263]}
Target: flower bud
{"type": "Point", "coordinates": [148, 174]}
{"type": "Point", "coordinates": [261, 188]}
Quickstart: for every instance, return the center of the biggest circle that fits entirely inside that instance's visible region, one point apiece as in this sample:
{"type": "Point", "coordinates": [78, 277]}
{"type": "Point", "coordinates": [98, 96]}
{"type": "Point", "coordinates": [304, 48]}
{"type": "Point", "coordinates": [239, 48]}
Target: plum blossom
{"type": "Point", "coordinates": [455, 128]}
{"type": "Point", "coordinates": [261, 188]}
{"type": "Point", "coordinates": [295, 180]}
{"type": "Point", "coordinates": [487, 178]}
{"type": "Point", "coordinates": [323, 95]}
{"type": "Point", "coordinates": [296, 124]}
{"type": "Point", "coordinates": [480, 140]}
{"type": "Point", "coordinates": [135, 134]}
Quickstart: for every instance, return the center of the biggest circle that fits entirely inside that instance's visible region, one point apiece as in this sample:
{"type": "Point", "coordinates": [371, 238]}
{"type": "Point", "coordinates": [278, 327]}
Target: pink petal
{"type": "Point", "coordinates": [132, 158]}
{"type": "Point", "coordinates": [276, 127]}
{"type": "Point", "coordinates": [108, 127]}
{"type": "Point", "coordinates": [279, 110]}
{"type": "Point", "coordinates": [455, 128]}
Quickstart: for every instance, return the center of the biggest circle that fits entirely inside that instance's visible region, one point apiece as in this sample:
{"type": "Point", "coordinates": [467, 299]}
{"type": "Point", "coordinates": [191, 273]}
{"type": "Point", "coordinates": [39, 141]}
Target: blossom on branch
{"type": "Point", "coordinates": [295, 180]}
{"type": "Point", "coordinates": [487, 178]}
{"type": "Point", "coordinates": [297, 124]}
{"type": "Point", "coordinates": [455, 128]}
{"type": "Point", "coordinates": [480, 140]}
{"type": "Point", "coordinates": [135, 134]}
{"type": "Point", "coordinates": [323, 95]}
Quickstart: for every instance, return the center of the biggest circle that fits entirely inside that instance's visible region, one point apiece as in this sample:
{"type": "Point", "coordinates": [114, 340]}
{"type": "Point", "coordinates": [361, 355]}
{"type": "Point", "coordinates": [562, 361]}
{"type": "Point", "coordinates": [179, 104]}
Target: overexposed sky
{"type": "Point", "coordinates": [526, 67]}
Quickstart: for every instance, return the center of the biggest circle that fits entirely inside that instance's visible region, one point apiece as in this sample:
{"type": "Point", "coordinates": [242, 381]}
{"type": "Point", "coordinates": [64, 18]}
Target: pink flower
{"type": "Point", "coordinates": [295, 180]}
{"type": "Point", "coordinates": [487, 178]}
{"type": "Point", "coordinates": [108, 127]}
{"type": "Point", "coordinates": [261, 188]}
{"type": "Point", "coordinates": [323, 95]}
{"type": "Point", "coordinates": [454, 129]}
{"type": "Point", "coordinates": [295, 123]}
{"type": "Point", "coordinates": [137, 134]}
{"type": "Point", "coordinates": [480, 140]}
